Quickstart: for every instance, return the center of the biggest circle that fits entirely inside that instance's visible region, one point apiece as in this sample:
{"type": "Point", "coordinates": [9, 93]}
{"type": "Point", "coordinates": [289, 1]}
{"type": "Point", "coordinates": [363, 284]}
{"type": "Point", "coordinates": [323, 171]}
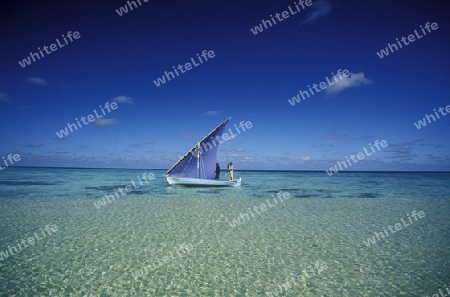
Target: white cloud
{"type": "Point", "coordinates": [123, 99]}
{"type": "Point", "coordinates": [212, 113]}
{"type": "Point", "coordinates": [3, 97]}
{"type": "Point", "coordinates": [319, 8]}
{"type": "Point", "coordinates": [37, 81]}
{"type": "Point", "coordinates": [354, 80]}
{"type": "Point", "coordinates": [105, 122]}
{"type": "Point", "coordinates": [297, 158]}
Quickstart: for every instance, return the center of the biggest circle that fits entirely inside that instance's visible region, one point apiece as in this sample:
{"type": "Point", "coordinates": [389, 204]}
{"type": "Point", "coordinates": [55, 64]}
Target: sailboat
{"type": "Point", "coordinates": [197, 166]}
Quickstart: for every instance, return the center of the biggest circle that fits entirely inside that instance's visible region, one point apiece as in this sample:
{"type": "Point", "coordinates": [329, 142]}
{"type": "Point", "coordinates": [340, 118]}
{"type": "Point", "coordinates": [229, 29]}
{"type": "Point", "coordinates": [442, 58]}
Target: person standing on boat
{"type": "Point", "coordinates": [230, 170]}
{"type": "Point", "coordinates": [217, 171]}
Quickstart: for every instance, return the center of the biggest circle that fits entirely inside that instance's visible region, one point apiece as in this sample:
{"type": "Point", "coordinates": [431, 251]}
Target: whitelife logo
{"type": "Point", "coordinates": [397, 226]}
{"type": "Point", "coordinates": [31, 241]}
{"type": "Point", "coordinates": [123, 10]}
{"type": "Point", "coordinates": [282, 196]}
{"type": "Point", "coordinates": [10, 158]}
{"type": "Point", "coordinates": [323, 85]}
{"type": "Point", "coordinates": [285, 14]}
{"type": "Point", "coordinates": [225, 137]}
{"type": "Point", "coordinates": [128, 189]}
{"type": "Point", "coordinates": [162, 80]}
{"type": "Point", "coordinates": [411, 38]}
{"type": "Point", "coordinates": [62, 133]}
{"type": "Point", "coordinates": [184, 249]}
{"type": "Point", "coordinates": [423, 123]}
{"type": "Point", "coordinates": [360, 156]}
{"type": "Point", "coordinates": [27, 61]}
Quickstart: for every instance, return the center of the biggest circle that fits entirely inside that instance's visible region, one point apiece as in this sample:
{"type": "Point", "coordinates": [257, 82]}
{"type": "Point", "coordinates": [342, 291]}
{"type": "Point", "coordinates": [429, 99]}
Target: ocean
{"type": "Point", "coordinates": [72, 232]}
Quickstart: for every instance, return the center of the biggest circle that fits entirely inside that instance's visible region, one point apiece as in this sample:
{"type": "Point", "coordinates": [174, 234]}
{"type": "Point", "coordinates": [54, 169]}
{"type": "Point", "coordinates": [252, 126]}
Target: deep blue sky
{"type": "Point", "coordinates": [250, 78]}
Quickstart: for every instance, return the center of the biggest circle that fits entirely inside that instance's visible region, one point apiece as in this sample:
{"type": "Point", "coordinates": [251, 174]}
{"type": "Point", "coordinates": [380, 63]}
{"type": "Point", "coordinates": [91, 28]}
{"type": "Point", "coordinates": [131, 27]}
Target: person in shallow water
{"type": "Point", "coordinates": [230, 169]}
{"type": "Point", "coordinates": [217, 171]}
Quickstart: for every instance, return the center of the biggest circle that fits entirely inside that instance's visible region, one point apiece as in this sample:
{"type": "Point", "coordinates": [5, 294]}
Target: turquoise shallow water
{"type": "Point", "coordinates": [97, 251]}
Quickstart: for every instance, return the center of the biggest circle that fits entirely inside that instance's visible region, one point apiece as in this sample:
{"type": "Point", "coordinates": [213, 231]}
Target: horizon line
{"type": "Point", "coordinates": [243, 170]}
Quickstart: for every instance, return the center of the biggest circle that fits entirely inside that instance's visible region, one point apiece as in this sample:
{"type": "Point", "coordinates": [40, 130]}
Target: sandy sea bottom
{"type": "Point", "coordinates": [96, 252]}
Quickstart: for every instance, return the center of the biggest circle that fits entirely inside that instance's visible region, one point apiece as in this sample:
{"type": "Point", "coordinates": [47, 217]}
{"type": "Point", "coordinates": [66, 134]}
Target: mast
{"type": "Point", "coordinates": [198, 161]}
{"type": "Point", "coordinates": [198, 146]}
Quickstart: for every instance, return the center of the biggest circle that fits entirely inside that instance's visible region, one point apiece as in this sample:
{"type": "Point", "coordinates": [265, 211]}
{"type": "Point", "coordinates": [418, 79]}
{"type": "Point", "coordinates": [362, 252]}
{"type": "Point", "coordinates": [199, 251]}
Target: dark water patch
{"type": "Point", "coordinates": [26, 183]}
{"type": "Point", "coordinates": [256, 195]}
{"type": "Point", "coordinates": [136, 192]}
{"type": "Point", "coordinates": [326, 196]}
{"type": "Point", "coordinates": [307, 196]}
{"type": "Point", "coordinates": [283, 190]}
{"type": "Point", "coordinates": [327, 191]}
{"type": "Point", "coordinates": [368, 195]}
{"type": "Point", "coordinates": [208, 192]}
{"type": "Point", "coordinates": [106, 188]}
{"type": "Point", "coordinates": [290, 190]}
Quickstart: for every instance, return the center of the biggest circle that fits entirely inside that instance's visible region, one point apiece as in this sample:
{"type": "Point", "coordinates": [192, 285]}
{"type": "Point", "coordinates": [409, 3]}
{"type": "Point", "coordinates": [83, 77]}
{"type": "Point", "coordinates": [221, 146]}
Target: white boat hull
{"type": "Point", "coordinates": [198, 182]}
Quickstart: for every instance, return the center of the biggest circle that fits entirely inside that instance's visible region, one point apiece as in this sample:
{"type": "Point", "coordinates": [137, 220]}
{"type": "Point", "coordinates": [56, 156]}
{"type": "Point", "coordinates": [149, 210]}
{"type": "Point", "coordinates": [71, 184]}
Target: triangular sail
{"type": "Point", "coordinates": [200, 161]}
